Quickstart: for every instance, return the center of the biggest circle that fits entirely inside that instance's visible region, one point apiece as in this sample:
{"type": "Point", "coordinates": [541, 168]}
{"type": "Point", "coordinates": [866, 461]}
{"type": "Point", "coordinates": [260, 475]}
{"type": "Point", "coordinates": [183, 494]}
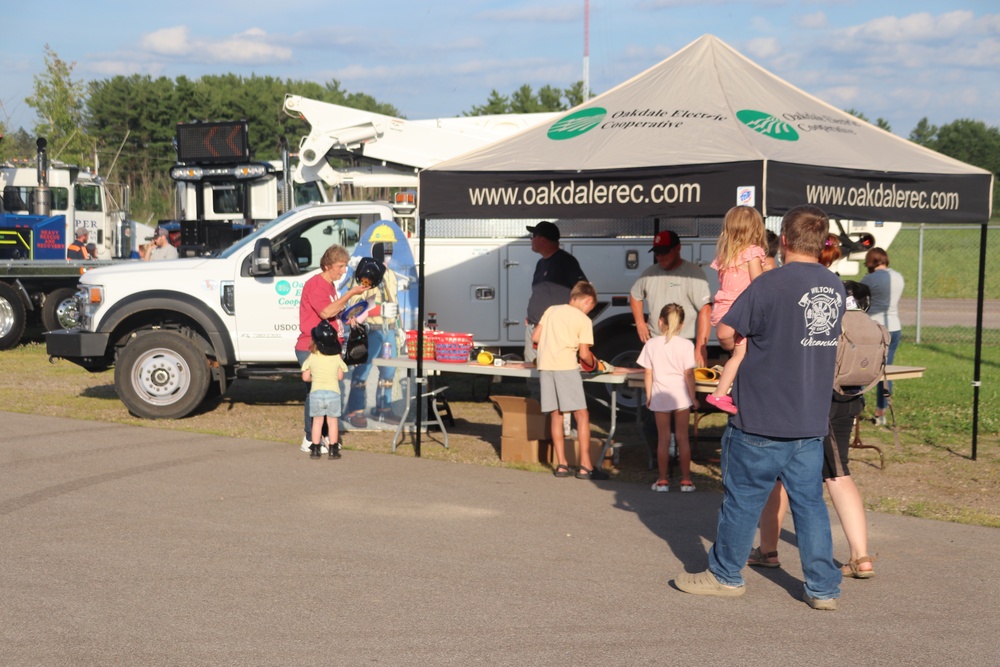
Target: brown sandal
{"type": "Point", "coordinates": [758, 558]}
{"type": "Point", "coordinates": [853, 568]}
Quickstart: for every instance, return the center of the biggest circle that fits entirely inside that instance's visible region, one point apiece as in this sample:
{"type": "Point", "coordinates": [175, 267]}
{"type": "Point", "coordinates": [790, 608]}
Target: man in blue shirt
{"type": "Point", "coordinates": [791, 318]}
{"type": "Point", "coordinates": [555, 275]}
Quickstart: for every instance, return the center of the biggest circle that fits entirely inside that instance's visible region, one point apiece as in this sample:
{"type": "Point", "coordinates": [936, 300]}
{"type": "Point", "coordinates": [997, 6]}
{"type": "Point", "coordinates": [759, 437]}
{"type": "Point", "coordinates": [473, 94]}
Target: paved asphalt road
{"type": "Point", "coordinates": [137, 546]}
{"type": "Point", "coordinates": [949, 312]}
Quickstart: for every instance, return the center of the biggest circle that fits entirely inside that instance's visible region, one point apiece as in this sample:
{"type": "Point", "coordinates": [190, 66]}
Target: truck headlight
{"type": "Point", "coordinates": [89, 298]}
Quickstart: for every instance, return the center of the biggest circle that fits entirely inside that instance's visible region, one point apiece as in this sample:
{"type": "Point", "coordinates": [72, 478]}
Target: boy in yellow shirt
{"type": "Point", "coordinates": [564, 335]}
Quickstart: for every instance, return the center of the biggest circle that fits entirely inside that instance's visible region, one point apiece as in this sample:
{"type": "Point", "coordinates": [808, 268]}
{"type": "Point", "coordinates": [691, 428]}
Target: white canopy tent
{"type": "Point", "coordinates": [700, 132]}
{"type": "Point", "coordinates": [694, 135]}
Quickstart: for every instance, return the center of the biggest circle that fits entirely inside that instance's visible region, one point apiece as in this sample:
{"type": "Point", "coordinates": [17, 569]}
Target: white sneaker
{"type": "Point", "coordinates": [306, 444]}
{"type": "Point", "coordinates": [880, 420]}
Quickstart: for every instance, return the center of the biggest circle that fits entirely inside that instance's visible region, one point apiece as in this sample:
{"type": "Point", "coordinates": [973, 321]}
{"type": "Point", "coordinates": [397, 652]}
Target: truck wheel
{"type": "Point", "coordinates": [161, 375]}
{"type": "Point", "coordinates": [60, 310]}
{"type": "Point", "coordinates": [12, 317]}
{"type": "Point", "coordinates": [621, 349]}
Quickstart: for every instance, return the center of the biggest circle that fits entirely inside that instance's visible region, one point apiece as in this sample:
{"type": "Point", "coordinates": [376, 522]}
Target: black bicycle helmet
{"type": "Point", "coordinates": [369, 272]}
{"type": "Point", "coordinates": [325, 338]}
{"type": "Point", "coordinates": [860, 293]}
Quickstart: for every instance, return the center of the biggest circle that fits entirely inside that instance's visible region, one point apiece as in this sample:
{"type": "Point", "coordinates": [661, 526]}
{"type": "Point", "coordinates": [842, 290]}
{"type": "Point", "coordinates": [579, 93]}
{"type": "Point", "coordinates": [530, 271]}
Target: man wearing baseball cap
{"type": "Point", "coordinates": [555, 274]}
{"type": "Point", "coordinates": [672, 279]}
{"type": "Point", "coordinates": [160, 247]}
{"type": "Point", "coordinates": [78, 248]}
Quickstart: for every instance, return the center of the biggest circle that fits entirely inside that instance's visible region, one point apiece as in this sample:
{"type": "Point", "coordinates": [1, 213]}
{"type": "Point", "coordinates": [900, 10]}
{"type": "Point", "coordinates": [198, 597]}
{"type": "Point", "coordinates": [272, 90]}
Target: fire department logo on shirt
{"type": "Point", "coordinates": [821, 308]}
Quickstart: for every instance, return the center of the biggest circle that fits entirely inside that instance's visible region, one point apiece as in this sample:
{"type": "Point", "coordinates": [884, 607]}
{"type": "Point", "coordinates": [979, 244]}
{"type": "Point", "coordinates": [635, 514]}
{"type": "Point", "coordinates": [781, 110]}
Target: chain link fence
{"type": "Point", "coordinates": [940, 264]}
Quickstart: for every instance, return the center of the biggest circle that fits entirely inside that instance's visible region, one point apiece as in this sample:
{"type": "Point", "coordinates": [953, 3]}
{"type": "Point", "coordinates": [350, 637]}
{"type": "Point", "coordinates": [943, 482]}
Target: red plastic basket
{"type": "Point", "coordinates": [453, 348]}
{"type": "Point", "coordinates": [411, 344]}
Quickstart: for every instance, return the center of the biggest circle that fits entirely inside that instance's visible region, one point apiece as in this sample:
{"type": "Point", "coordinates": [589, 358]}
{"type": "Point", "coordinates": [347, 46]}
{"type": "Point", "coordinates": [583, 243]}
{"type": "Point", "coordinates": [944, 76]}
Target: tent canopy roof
{"type": "Point", "coordinates": [708, 117]}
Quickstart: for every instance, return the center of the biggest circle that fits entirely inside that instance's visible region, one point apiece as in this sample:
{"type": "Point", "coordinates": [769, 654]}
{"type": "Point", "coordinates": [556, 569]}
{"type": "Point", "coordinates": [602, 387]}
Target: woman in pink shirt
{"type": "Point", "coordinates": [320, 301]}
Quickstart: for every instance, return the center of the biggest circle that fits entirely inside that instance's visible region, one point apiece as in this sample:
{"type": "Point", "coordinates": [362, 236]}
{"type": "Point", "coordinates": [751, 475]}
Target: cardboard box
{"type": "Point", "coordinates": [525, 436]}
{"type": "Point", "coordinates": [596, 444]}
{"type": "Point", "coordinates": [522, 450]}
{"type": "Point", "coordinates": [522, 418]}
{"type": "Point", "coordinates": [524, 430]}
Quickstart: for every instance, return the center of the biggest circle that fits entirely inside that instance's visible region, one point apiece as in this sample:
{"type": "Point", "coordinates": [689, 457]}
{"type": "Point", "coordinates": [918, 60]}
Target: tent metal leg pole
{"type": "Point", "coordinates": [977, 364]}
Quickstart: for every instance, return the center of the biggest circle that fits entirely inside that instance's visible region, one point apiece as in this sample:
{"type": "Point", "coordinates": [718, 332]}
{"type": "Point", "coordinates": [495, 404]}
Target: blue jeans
{"type": "Point", "coordinates": [750, 466]}
{"type": "Point", "coordinates": [880, 391]}
{"type": "Point", "coordinates": [359, 376]}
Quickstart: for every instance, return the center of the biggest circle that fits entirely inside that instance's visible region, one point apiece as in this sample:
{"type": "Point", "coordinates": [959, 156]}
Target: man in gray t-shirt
{"type": "Point", "coordinates": [673, 280]}
{"type": "Point", "coordinates": [160, 247]}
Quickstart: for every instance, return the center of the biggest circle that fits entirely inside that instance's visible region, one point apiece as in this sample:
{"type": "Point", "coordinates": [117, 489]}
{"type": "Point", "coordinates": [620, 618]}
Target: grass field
{"type": "Point", "coordinates": [931, 473]}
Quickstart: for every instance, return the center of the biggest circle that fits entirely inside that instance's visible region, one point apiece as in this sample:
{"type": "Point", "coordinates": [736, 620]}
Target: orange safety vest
{"type": "Point", "coordinates": [77, 247]}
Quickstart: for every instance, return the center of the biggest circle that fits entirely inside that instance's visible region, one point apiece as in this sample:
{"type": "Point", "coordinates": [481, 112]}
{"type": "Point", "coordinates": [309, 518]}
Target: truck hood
{"type": "Point", "coordinates": [173, 267]}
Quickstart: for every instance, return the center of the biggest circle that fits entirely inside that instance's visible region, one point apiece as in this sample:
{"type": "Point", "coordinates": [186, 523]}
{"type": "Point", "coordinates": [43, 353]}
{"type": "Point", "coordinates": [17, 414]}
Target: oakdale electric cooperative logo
{"type": "Point", "coordinates": [282, 287]}
{"type": "Point", "coordinates": [767, 125]}
{"type": "Point", "coordinates": [578, 123]}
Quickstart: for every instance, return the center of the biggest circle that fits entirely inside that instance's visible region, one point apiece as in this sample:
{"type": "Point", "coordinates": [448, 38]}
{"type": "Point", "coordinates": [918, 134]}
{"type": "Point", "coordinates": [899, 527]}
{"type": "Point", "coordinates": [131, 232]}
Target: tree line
{"type": "Point", "coordinates": [125, 125]}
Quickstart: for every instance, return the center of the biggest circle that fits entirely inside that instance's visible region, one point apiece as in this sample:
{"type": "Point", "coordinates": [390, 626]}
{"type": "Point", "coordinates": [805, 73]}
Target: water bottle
{"type": "Point", "coordinates": [387, 350]}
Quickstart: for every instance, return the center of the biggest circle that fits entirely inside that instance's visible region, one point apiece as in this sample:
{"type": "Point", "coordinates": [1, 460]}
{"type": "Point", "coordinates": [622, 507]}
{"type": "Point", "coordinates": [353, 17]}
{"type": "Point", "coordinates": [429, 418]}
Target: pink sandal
{"type": "Point", "coordinates": [724, 403]}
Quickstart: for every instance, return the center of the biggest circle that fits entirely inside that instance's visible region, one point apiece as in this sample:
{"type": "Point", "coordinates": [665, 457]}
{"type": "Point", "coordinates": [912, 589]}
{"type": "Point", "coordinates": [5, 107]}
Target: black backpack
{"type": "Point", "coordinates": [861, 355]}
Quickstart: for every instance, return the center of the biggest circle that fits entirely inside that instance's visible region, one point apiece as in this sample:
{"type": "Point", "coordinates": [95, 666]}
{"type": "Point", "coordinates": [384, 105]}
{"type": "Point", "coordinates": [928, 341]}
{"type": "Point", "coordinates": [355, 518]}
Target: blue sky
{"type": "Point", "coordinates": [892, 59]}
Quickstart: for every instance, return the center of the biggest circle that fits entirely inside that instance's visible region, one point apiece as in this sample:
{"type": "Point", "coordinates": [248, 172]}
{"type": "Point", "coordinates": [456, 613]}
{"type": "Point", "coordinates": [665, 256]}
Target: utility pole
{"type": "Point", "coordinates": [586, 50]}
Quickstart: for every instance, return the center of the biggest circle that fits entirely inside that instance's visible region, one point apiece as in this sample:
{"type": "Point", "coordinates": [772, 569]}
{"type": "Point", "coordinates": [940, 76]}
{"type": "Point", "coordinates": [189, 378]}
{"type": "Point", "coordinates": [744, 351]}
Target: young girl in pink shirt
{"type": "Point", "coordinates": [739, 257]}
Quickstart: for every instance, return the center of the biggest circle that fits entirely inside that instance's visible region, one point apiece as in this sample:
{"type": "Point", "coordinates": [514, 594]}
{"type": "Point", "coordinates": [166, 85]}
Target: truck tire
{"type": "Point", "coordinates": [13, 317]}
{"type": "Point", "coordinates": [161, 375]}
{"type": "Point", "coordinates": [60, 310]}
{"type": "Point", "coordinates": [619, 349]}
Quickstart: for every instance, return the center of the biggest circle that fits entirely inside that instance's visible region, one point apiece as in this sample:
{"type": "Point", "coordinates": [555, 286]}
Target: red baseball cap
{"type": "Point", "coordinates": [665, 241]}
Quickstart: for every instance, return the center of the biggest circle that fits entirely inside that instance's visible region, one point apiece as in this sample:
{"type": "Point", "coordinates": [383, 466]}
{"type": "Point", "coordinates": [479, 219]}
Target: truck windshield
{"type": "Point", "coordinates": [310, 237]}
{"type": "Point", "coordinates": [250, 239]}
{"type": "Point", "coordinates": [306, 193]}
{"type": "Point", "coordinates": [88, 197]}
{"type": "Point", "coordinates": [17, 199]}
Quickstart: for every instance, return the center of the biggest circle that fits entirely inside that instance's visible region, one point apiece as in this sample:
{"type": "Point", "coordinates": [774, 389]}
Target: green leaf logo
{"type": "Point", "coordinates": [577, 123]}
{"type": "Point", "coordinates": [768, 125]}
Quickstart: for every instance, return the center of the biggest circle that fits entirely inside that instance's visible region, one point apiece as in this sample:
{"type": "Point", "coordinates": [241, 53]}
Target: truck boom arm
{"type": "Point", "coordinates": [400, 145]}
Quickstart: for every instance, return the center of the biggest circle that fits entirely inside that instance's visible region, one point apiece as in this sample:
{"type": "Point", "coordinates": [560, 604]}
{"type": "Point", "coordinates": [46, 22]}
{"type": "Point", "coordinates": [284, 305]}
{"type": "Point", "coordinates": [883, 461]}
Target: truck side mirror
{"type": "Point", "coordinates": [260, 265]}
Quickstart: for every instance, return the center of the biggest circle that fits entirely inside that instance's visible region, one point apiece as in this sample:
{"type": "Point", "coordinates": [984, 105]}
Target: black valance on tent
{"type": "Point", "coordinates": [706, 190]}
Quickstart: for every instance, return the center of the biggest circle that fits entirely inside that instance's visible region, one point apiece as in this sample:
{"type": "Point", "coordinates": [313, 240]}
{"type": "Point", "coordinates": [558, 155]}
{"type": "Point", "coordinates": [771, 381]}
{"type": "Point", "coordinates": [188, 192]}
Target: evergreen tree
{"type": "Point", "coordinates": [924, 133]}
{"type": "Point", "coordinates": [524, 100]}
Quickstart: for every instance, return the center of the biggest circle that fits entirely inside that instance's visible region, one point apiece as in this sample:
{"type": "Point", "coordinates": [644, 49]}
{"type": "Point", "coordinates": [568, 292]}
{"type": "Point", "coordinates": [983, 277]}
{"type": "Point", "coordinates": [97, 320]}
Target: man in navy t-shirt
{"type": "Point", "coordinates": [555, 275]}
{"type": "Point", "coordinates": [791, 319]}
